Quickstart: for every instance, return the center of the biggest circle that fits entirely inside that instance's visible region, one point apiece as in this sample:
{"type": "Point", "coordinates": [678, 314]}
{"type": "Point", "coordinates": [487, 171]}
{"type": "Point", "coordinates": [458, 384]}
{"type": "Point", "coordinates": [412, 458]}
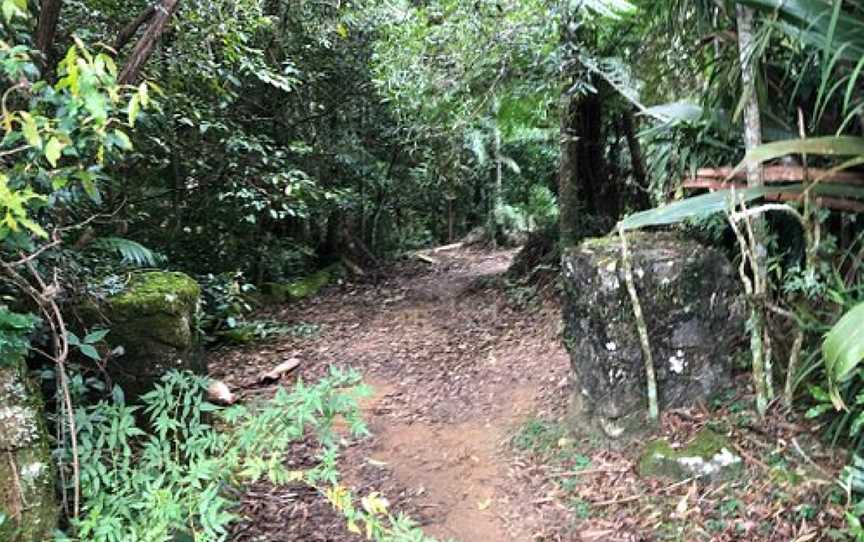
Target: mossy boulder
{"type": "Point", "coordinates": [279, 293]}
{"type": "Point", "coordinates": [694, 314]}
{"type": "Point", "coordinates": [152, 321]}
{"type": "Point", "coordinates": [28, 504]}
{"type": "Point", "coordinates": [708, 456]}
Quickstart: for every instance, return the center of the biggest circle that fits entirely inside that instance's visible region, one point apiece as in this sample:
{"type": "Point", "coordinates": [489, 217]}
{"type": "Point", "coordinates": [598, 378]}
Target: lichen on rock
{"type": "Point", "coordinates": [27, 480]}
{"type": "Point", "coordinates": [708, 456]}
{"type": "Point", "coordinates": [693, 313]}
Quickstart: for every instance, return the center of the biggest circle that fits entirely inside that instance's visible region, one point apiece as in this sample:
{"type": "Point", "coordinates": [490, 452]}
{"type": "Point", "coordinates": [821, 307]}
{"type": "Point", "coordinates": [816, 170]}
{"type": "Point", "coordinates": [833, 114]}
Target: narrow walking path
{"type": "Point", "coordinates": [456, 367]}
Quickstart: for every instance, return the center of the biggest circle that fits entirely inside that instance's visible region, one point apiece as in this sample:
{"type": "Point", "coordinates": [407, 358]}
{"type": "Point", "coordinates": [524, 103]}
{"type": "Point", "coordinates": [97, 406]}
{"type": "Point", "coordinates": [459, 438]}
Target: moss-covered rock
{"type": "Point", "coordinates": [707, 456]}
{"type": "Point", "coordinates": [693, 312]}
{"type": "Point", "coordinates": [28, 502]}
{"type": "Point", "coordinates": [153, 321]}
{"type": "Point", "coordinates": [278, 293]}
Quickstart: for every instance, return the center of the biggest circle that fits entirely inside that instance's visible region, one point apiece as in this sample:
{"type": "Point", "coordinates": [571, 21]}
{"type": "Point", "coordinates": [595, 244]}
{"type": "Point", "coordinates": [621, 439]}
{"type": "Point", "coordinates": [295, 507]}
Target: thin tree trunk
{"type": "Point", "coordinates": [46, 28]}
{"type": "Point", "coordinates": [568, 190]}
{"type": "Point", "coordinates": [759, 338]}
{"type": "Point", "coordinates": [497, 191]}
{"type": "Point", "coordinates": [643, 198]}
{"type": "Point", "coordinates": [130, 29]}
{"type": "Point", "coordinates": [144, 48]}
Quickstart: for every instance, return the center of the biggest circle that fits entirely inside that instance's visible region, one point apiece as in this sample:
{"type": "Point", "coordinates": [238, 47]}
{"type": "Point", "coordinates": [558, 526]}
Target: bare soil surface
{"type": "Point", "coordinates": [471, 386]}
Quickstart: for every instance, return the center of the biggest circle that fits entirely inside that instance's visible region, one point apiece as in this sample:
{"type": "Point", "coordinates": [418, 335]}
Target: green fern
{"type": "Point", "coordinates": [130, 251]}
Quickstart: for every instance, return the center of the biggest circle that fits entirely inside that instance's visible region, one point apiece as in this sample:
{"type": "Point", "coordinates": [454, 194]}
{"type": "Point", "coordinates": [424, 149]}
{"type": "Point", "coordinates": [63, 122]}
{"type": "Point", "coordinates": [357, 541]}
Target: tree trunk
{"type": "Point", "coordinates": [568, 193]}
{"type": "Point", "coordinates": [759, 339]}
{"type": "Point", "coordinates": [130, 29]}
{"type": "Point", "coordinates": [643, 197]}
{"type": "Point", "coordinates": [144, 48]}
{"type": "Point", "coordinates": [46, 28]}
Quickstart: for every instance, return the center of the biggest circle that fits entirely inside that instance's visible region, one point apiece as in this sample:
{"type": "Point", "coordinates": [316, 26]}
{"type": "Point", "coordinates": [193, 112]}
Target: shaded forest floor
{"type": "Point", "coordinates": [471, 385]}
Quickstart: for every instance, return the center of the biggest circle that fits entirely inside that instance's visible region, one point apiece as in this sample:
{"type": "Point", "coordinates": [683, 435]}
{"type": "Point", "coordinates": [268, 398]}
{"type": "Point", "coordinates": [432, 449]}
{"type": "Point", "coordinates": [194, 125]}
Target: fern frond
{"type": "Point", "coordinates": [130, 251]}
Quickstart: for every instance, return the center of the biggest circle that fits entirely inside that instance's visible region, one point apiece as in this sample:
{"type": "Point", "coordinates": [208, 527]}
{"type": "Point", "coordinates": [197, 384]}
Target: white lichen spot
{"type": "Point", "coordinates": [610, 282]}
{"type": "Point", "coordinates": [699, 466]}
{"type": "Point", "coordinates": [677, 363]}
{"type": "Point", "coordinates": [610, 428]}
{"type": "Point", "coordinates": [20, 425]}
{"type": "Point", "coordinates": [31, 472]}
{"type": "Point", "coordinates": [640, 272]}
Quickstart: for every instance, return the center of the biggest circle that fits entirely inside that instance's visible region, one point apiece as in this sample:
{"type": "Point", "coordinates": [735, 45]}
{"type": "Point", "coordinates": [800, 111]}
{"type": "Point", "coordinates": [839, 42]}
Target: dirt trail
{"type": "Point", "coordinates": [459, 362]}
{"type": "Point", "coordinates": [455, 369]}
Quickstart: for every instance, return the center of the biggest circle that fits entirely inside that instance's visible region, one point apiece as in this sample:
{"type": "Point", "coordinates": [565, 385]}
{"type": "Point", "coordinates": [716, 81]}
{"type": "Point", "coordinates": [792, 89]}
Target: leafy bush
{"type": "Point", "coordinates": [171, 481]}
{"type": "Point", "coordinates": [225, 301]}
{"type": "Point", "coordinates": [15, 330]}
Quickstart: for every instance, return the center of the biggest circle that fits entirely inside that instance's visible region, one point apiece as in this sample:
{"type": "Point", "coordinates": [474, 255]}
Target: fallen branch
{"type": "Point", "coordinates": [424, 258]}
{"type": "Point", "coordinates": [276, 372]}
{"type": "Point", "coordinates": [445, 248]}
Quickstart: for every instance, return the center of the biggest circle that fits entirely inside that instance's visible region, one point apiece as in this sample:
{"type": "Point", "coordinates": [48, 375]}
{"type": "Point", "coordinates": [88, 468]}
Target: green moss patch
{"type": "Point", "coordinates": [278, 293]}
{"type": "Point", "coordinates": [156, 292]}
{"type": "Point", "coordinates": [708, 455]}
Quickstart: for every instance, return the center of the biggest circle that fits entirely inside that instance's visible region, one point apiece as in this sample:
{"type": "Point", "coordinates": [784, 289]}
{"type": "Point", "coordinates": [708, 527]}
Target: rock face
{"type": "Point", "coordinates": [153, 320]}
{"type": "Point", "coordinates": [689, 295]}
{"type": "Point", "coordinates": [28, 505]}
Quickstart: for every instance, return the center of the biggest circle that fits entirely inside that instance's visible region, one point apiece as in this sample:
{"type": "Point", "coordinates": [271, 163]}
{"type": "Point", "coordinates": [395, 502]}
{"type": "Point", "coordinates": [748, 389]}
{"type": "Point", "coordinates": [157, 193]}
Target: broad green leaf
{"type": "Point", "coordinates": [123, 140]}
{"type": "Point", "coordinates": [89, 351]}
{"type": "Point", "coordinates": [30, 130]}
{"type": "Point", "coordinates": [843, 347]}
{"type": "Point", "coordinates": [96, 336]}
{"type": "Point", "coordinates": [676, 111]}
{"type": "Point", "coordinates": [144, 94]}
{"type": "Point", "coordinates": [13, 8]}
{"type": "Point", "coordinates": [33, 227]}
{"type": "Point", "coordinates": [696, 207]}
{"type": "Point", "coordinates": [134, 109]}
{"type": "Point", "coordinates": [91, 190]}
{"type": "Point", "coordinates": [53, 150]}
{"type": "Point", "coordinates": [825, 146]}
{"type": "Point", "coordinates": [707, 204]}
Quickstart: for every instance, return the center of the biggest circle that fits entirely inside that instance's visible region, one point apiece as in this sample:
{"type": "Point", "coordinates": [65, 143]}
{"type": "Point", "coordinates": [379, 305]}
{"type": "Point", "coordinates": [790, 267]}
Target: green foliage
{"type": "Point", "coordinates": [131, 252]}
{"type": "Point", "coordinates": [843, 348]}
{"type": "Point", "coordinates": [87, 344]}
{"type": "Point", "coordinates": [15, 330]}
{"type": "Point", "coordinates": [172, 480]}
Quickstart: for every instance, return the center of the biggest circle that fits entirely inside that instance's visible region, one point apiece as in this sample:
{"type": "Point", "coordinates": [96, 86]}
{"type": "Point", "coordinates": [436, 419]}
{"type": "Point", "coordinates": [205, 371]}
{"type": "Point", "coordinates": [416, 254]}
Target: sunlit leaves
{"type": "Point", "coordinates": [843, 349]}
{"type": "Point", "coordinates": [53, 150]}
{"type": "Point", "coordinates": [30, 130]}
{"type": "Point", "coordinates": [61, 136]}
{"type": "Point", "coordinates": [14, 205]}
{"type": "Point", "coordinates": [13, 8]}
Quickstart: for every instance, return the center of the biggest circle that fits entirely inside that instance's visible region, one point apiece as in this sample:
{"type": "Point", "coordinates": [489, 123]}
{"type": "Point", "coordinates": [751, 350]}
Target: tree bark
{"type": "Point", "coordinates": [144, 48]}
{"type": "Point", "coordinates": [568, 192]}
{"type": "Point", "coordinates": [130, 29]}
{"type": "Point", "coordinates": [760, 339]}
{"type": "Point", "coordinates": [46, 28]}
{"type": "Point", "coordinates": [643, 198]}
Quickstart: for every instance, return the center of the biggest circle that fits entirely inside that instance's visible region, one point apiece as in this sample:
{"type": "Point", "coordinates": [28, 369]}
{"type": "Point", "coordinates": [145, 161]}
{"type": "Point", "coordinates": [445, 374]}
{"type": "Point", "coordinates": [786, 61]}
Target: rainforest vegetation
{"type": "Point", "coordinates": [272, 149]}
